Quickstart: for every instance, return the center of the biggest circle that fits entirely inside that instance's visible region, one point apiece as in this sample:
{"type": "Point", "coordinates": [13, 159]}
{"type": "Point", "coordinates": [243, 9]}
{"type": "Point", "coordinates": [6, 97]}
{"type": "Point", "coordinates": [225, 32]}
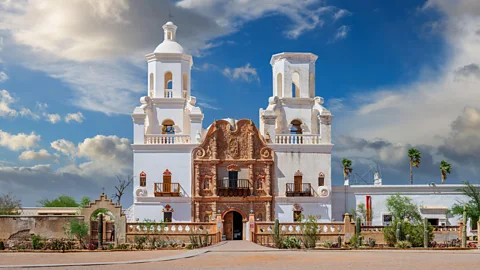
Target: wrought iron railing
{"type": "Point", "coordinates": [295, 189]}
{"type": "Point", "coordinates": [233, 187]}
{"type": "Point", "coordinates": [167, 189]}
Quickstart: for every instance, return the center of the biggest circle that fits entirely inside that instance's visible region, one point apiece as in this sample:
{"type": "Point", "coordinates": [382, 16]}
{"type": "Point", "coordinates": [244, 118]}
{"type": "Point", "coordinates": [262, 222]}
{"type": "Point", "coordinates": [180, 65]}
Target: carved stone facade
{"type": "Point", "coordinates": [232, 147]}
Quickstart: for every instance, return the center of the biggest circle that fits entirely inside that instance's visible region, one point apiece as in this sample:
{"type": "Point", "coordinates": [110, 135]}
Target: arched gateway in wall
{"type": "Point", "coordinates": [232, 175]}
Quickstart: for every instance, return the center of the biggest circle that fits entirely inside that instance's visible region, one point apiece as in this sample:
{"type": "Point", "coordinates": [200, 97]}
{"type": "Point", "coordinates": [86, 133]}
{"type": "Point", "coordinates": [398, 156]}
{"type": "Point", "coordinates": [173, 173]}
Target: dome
{"type": "Point", "coordinates": [169, 46]}
{"type": "Point", "coordinates": [169, 23]}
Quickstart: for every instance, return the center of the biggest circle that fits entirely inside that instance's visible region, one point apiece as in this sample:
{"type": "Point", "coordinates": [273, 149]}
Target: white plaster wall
{"type": "Point", "coordinates": [182, 211]}
{"type": "Point", "coordinates": [154, 164]}
{"type": "Point", "coordinates": [301, 111]}
{"type": "Point", "coordinates": [284, 209]}
{"type": "Point", "coordinates": [309, 163]}
{"type": "Point", "coordinates": [445, 196]}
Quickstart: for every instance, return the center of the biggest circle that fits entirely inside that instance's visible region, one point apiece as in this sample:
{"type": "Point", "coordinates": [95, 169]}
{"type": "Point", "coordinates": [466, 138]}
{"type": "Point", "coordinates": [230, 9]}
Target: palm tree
{"type": "Point", "coordinates": [445, 168]}
{"type": "Point", "coordinates": [347, 170]}
{"type": "Point", "coordinates": [415, 158]}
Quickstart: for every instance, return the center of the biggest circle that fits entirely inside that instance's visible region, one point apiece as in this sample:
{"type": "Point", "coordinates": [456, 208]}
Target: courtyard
{"type": "Point", "coordinates": [246, 255]}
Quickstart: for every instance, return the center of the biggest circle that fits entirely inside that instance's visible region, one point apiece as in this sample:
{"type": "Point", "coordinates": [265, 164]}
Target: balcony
{"type": "Point", "coordinates": [167, 190]}
{"type": "Point", "coordinates": [299, 190]}
{"type": "Point", "coordinates": [168, 93]}
{"type": "Point", "coordinates": [297, 139]}
{"type": "Point", "coordinates": [167, 139]}
{"type": "Point", "coordinates": [233, 187]}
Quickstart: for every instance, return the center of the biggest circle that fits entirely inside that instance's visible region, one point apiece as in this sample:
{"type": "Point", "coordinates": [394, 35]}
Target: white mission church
{"type": "Point", "coordinates": [184, 172]}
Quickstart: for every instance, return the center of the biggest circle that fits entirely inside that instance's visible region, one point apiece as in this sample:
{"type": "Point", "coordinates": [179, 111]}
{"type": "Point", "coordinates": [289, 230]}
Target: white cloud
{"type": "Point", "coordinates": [65, 147]}
{"type": "Point", "coordinates": [18, 141]}
{"type": "Point", "coordinates": [341, 13]}
{"type": "Point", "coordinates": [53, 118]}
{"type": "Point", "coordinates": [77, 117]}
{"type": "Point", "coordinates": [98, 47]}
{"type": "Point", "coordinates": [42, 154]}
{"type": "Point", "coordinates": [342, 33]}
{"type": "Point", "coordinates": [3, 75]}
{"type": "Point", "coordinates": [24, 112]}
{"type": "Point", "coordinates": [5, 101]}
{"type": "Point", "coordinates": [245, 73]}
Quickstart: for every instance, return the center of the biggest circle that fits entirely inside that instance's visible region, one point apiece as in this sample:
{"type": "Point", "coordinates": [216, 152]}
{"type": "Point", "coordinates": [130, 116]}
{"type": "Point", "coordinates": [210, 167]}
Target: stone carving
{"type": "Point", "coordinates": [141, 192]}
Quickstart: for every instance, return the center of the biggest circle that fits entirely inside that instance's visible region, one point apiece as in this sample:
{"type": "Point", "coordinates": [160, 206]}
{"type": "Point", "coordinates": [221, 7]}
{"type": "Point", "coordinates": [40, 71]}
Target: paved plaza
{"type": "Point", "coordinates": [245, 255]}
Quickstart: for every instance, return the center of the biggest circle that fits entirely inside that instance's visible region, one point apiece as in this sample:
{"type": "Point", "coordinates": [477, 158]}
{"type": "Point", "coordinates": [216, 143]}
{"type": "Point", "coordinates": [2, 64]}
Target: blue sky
{"type": "Point", "coordinates": [395, 74]}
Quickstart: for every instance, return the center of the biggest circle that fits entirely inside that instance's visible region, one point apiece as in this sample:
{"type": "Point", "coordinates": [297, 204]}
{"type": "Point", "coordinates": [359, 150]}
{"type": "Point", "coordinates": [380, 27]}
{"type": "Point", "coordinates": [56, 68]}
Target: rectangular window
{"type": "Point", "coordinates": [321, 181]}
{"type": "Point", "coordinates": [387, 220]}
{"type": "Point", "coordinates": [433, 221]}
{"type": "Point", "coordinates": [232, 179]}
{"type": "Point", "coordinates": [167, 217]}
{"type": "Point", "coordinates": [297, 216]}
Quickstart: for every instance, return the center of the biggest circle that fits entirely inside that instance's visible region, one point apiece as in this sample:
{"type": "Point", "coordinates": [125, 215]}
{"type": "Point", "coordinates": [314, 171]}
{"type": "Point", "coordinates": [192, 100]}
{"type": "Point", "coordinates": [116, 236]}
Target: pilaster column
{"type": "Point", "coordinates": [214, 180]}
{"type": "Point", "coordinates": [267, 211]}
{"type": "Point", "coordinates": [197, 212]}
{"type": "Point", "coordinates": [197, 180]}
{"type": "Point", "coordinates": [268, 179]}
{"type": "Point", "coordinates": [250, 178]}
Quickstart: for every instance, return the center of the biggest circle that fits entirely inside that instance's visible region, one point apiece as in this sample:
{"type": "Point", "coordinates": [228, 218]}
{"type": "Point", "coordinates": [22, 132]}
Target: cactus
{"type": "Point", "coordinates": [339, 241]}
{"type": "Point", "coordinates": [360, 238]}
{"type": "Point", "coordinates": [425, 233]}
{"type": "Point", "coordinates": [407, 238]}
{"type": "Point", "coordinates": [276, 234]}
{"type": "Point", "coordinates": [464, 227]}
{"type": "Point", "coordinates": [100, 231]}
{"type": "Point", "coordinates": [399, 231]}
{"type": "Point", "coordinates": [358, 226]}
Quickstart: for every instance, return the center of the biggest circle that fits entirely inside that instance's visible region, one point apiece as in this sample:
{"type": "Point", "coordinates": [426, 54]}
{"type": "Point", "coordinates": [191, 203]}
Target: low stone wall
{"type": "Point", "coordinates": [441, 233]}
{"type": "Point", "coordinates": [47, 226]}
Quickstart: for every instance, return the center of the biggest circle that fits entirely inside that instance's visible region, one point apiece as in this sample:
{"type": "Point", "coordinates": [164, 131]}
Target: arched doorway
{"type": "Point", "coordinates": [233, 225]}
{"type": "Point", "coordinates": [107, 224]}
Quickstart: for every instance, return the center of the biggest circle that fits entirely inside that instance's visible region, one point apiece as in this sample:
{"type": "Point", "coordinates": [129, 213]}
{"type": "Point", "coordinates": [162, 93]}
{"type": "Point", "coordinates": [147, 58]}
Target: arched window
{"type": "Point", "coordinates": [185, 81]}
{"type": "Point", "coordinates": [168, 84]}
{"type": "Point", "coordinates": [279, 85]}
{"type": "Point", "coordinates": [143, 179]}
{"type": "Point", "coordinates": [168, 127]}
{"type": "Point", "coordinates": [295, 84]}
{"type": "Point", "coordinates": [296, 127]}
{"type": "Point", "coordinates": [321, 179]}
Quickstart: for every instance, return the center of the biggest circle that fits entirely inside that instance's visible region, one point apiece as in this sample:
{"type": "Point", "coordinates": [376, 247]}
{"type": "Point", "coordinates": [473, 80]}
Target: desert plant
{"type": "Point", "coordinates": [277, 237]}
{"type": "Point", "coordinates": [291, 242]}
{"type": "Point", "coordinates": [464, 227]}
{"type": "Point", "coordinates": [358, 226]}
{"type": "Point", "coordinates": [327, 244]}
{"type": "Point", "coordinates": [398, 232]}
{"type": "Point", "coordinates": [355, 241]}
{"type": "Point", "coordinates": [91, 246]}
{"type": "Point", "coordinates": [140, 242]}
{"type": "Point", "coordinates": [310, 229]}
{"type": "Point", "coordinates": [2, 245]}
{"type": "Point", "coordinates": [472, 192]}
{"type": "Point", "coordinates": [123, 246]}
{"type": "Point", "coordinates": [402, 207]}
{"type": "Point", "coordinates": [416, 233]}
{"type": "Point", "coordinates": [403, 244]}
{"type": "Point", "coordinates": [78, 229]}
{"type": "Point", "coordinates": [371, 242]}
{"type": "Point", "coordinates": [37, 242]}
{"type": "Point", "coordinates": [193, 241]}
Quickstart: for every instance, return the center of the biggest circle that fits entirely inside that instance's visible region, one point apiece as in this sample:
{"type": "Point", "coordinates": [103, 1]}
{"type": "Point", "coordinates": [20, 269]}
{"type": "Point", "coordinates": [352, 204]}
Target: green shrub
{"type": "Point", "coordinates": [123, 246]}
{"type": "Point", "coordinates": [37, 242]}
{"type": "Point", "coordinates": [140, 242]}
{"type": "Point", "coordinates": [310, 230]}
{"type": "Point", "coordinates": [290, 242]}
{"type": "Point", "coordinates": [414, 231]}
{"type": "Point", "coordinates": [327, 244]}
{"type": "Point", "coordinates": [403, 244]}
{"type": "Point", "coordinates": [354, 241]}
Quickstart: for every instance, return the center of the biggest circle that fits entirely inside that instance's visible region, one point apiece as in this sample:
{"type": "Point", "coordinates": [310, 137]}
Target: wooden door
{"type": "Point", "coordinates": [167, 183]}
{"type": "Point", "coordinates": [298, 183]}
{"type": "Point", "coordinates": [228, 226]}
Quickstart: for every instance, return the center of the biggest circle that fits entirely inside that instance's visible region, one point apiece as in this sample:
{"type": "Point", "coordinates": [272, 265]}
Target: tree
{"type": "Point", "coordinates": [473, 204]}
{"type": "Point", "coordinates": [415, 158]}
{"type": "Point", "coordinates": [60, 201]}
{"type": "Point", "coordinates": [120, 188]}
{"type": "Point", "coordinates": [401, 207]}
{"type": "Point", "coordinates": [78, 229]}
{"type": "Point", "coordinates": [9, 205]}
{"type": "Point", "coordinates": [445, 168]}
{"type": "Point", "coordinates": [347, 170]}
{"type": "Point", "coordinates": [85, 201]}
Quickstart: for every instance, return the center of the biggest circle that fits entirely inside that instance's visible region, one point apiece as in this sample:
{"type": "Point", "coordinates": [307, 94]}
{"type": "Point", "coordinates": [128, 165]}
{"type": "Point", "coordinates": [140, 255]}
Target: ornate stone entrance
{"type": "Point", "coordinates": [232, 169]}
{"type": "Point", "coordinates": [233, 225]}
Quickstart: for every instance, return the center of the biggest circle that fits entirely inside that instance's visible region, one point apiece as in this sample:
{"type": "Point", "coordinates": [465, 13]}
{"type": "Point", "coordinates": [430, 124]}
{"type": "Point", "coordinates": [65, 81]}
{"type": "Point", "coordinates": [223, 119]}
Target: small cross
{"type": "Point", "coordinates": [170, 16]}
{"type": "Point", "coordinates": [103, 190]}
